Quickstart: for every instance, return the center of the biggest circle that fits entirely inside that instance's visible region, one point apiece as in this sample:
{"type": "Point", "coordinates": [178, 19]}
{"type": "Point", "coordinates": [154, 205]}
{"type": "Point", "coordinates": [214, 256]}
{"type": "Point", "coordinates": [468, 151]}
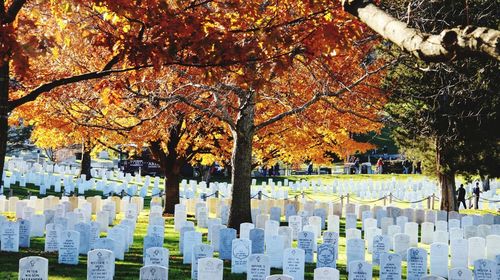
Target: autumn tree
{"type": "Point", "coordinates": [52, 131]}
{"type": "Point", "coordinates": [122, 111]}
{"type": "Point", "coordinates": [33, 36]}
{"type": "Point", "coordinates": [258, 107]}
{"type": "Point", "coordinates": [132, 35]}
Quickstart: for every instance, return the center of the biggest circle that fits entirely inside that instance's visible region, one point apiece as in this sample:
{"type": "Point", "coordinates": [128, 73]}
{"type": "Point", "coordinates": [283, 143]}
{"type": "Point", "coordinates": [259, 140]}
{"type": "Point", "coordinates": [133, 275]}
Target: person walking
{"type": "Point", "coordinates": [356, 166]}
{"type": "Point", "coordinates": [476, 191]}
{"type": "Point", "coordinates": [406, 166]}
{"type": "Point", "coordinates": [461, 196]}
{"type": "Point", "coordinates": [417, 169]}
{"type": "Point", "coordinates": [310, 168]}
{"type": "Point", "coordinates": [380, 164]}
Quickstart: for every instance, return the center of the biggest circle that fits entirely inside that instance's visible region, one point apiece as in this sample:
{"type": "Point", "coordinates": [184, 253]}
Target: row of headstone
{"type": "Point", "coordinates": [100, 265]}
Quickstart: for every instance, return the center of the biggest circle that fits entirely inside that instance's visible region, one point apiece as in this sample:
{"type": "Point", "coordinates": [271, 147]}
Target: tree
{"type": "Point", "coordinates": [34, 34]}
{"type": "Point", "coordinates": [137, 35]}
{"type": "Point", "coordinates": [124, 112]}
{"type": "Point", "coordinates": [306, 96]}
{"type": "Point", "coordinates": [19, 138]}
{"type": "Point", "coordinates": [52, 130]}
{"type": "Point", "coordinates": [452, 42]}
{"type": "Point", "coordinates": [453, 106]}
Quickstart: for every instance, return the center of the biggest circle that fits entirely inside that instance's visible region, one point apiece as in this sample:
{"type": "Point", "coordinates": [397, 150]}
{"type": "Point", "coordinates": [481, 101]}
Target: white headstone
{"type": "Point", "coordinates": [215, 235]}
{"type": "Point", "coordinates": [157, 256]}
{"type": "Point", "coordinates": [456, 233]}
{"type": "Point", "coordinates": [191, 239]}
{"type": "Point", "coordinates": [295, 222]}
{"type": "Point", "coordinates": [411, 229]}
{"type": "Point", "coordinates": [258, 267]}
{"type": "Point", "coordinates": [352, 233]}
{"type": "Point", "coordinates": [286, 232]}
{"type": "Point", "coordinates": [24, 233]}
{"type": "Point", "coordinates": [210, 268]}
{"type": "Point", "coordinates": [241, 250]}
{"type": "Point", "coordinates": [390, 266]}
{"type": "Point", "coordinates": [52, 235]}
{"type": "Point", "coordinates": [119, 236]}
{"type": "Point", "coordinates": [306, 242]}
{"type": "Point", "coordinates": [401, 244]}
{"type": "Point", "coordinates": [293, 263]}
{"type": "Point", "coordinates": [427, 233]}
{"type": "Point", "coordinates": [360, 270]}
{"type": "Point", "coordinates": [9, 240]}
{"type": "Point", "coordinates": [68, 247]}
{"type": "Point", "coordinates": [439, 259]}
{"type": "Point", "coordinates": [416, 263]}
{"type": "Point", "coordinates": [333, 223]}
{"type": "Point", "coordinates": [199, 251]}
{"type": "Point", "coordinates": [84, 230]}
{"type": "Point", "coordinates": [492, 246]}
{"type": "Point", "coordinates": [153, 272]}
{"type": "Point", "coordinates": [485, 269]}
{"type": "Point", "coordinates": [381, 245]}
{"type": "Point", "coordinates": [274, 249]}
{"type": "Point", "coordinates": [37, 225]}
{"type": "Point", "coordinates": [441, 236]}
{"type": "Point", "coordinates": [100, 264]}
{"type": "Point", "coordinates": [326, 273]}
{"type": "Point", "coordinates": [245, 230]}
{"type": "Point", "coordinates": [33, 268]}
{"type": "Point", "coordinates": [476, 249]}
{"type": "Point", "coordinates": [459, 249]}
{"type": "Point", "coordinates": [355, 250]}
{"type": "Point", "coordinates": [460, 273]}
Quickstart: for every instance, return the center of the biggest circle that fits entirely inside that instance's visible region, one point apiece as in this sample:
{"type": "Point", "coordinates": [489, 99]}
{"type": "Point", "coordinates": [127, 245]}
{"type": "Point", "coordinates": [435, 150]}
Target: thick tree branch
{"type": "Point", "coordinates": [65, 81]}
{"type": "Point", "coordinates": [451, 43]}
{"type": "Point", "coordinates": [12, 11]}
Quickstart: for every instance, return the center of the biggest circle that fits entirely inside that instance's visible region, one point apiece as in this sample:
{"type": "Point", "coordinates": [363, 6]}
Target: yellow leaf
{"type": "Point", "coordinates": [126, 28]}
{"type": "Point", "coordinates": [328, 16]}
{"type": "Point", "coordinates": [55, 53]}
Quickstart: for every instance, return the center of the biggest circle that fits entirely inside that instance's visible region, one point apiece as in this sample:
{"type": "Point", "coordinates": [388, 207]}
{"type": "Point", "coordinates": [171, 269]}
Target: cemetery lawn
{"type": "Point", "coordinates": [129, 268]}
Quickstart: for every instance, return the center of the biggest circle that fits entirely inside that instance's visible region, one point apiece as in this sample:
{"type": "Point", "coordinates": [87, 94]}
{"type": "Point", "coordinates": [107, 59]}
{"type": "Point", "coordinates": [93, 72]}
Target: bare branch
{"type": "Point", "coordinates": [318, 96]}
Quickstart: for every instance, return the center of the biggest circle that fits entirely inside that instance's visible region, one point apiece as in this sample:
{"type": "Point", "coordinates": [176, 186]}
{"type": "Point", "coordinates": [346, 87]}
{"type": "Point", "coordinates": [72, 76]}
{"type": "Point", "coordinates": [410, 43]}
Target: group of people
{"type": "Point", "coordinates": [271, 171]}
{"type": "Point", "coordinates": [408, 166]}
{"type": "Point", "coordinates": [461, 193]}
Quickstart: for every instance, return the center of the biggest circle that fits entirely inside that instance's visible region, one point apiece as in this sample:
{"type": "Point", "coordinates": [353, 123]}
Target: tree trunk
{"type": "Point", "coordinates": [171, 163]}
{"type": "Point", "coordinates": [4, 127]}
{"type": "Point", "coordinates": [4, 113]}
{"type": "Point", "coordinates": [486, 182]}
{"type": "Point", "coordinates": [86, 163]}
{"type": "Point", "coordinates": [241, 163]}
{"type": "Point", "coordinates": [446, 177]}
{"type": "Point", "coordinates": [171, 167]}
{"type": "Point", "coordinates": [448, 197]}
{"type": "Point", "coordinates": [172, 178]}
{"type": "Point", "coordinates": [468, 41]}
